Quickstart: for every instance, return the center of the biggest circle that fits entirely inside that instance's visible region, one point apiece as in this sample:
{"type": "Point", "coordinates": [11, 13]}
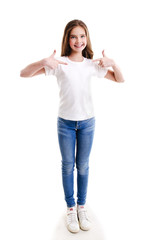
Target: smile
{"type": "Point", "coordinates": [79, 46]}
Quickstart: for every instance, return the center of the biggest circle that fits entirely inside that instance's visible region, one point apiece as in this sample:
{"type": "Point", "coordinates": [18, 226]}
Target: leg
{"type": "Point", "coordinates": [85, 135]}
{"type": "Point", "coordinates": [67, 138]}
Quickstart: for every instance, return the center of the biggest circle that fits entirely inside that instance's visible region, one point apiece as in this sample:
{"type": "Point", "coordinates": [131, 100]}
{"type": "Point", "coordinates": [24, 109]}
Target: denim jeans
{"type": "Point", "coordinates": [75, 141]}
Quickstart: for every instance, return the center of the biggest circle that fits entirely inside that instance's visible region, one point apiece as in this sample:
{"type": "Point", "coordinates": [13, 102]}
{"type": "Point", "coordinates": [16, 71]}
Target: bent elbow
{"type": "Point", "coordinates": [120, 80]}
{"type": "Point", "coordinates": [23, 74]}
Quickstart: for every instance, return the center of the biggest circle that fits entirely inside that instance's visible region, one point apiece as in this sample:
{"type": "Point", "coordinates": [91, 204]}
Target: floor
{"type": "Point", "coordinates": [95, 233]}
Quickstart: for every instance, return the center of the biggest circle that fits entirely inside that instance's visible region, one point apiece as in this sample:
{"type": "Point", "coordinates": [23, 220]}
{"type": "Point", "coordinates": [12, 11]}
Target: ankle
{"type": "Point", "coordinates": [71, 208]}
{"type": "Point", "coordinates": [80, 207]}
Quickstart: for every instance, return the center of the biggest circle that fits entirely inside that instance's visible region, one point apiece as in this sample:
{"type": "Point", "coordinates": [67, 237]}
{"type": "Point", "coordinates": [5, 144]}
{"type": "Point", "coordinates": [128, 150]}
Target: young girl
{"type": "Point", "coordinates": [76, 121]}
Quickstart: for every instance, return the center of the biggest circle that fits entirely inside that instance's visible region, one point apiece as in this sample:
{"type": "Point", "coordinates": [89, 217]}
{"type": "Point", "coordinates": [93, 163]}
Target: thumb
{"type": "Point", "coordinates": [53, 54]}
{"type": "Point", "coordinates": [103, 54]}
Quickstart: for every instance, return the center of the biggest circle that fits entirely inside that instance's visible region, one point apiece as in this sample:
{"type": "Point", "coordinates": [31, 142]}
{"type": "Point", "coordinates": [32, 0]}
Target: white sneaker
{"type": "Point", "coordinates": [84, 221]}
{"type": "Point", "coordinates": [72, 220]}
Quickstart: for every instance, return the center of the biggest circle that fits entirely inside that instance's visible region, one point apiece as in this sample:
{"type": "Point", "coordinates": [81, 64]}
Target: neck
{"type": "Point", "coordinates": [77, 57]}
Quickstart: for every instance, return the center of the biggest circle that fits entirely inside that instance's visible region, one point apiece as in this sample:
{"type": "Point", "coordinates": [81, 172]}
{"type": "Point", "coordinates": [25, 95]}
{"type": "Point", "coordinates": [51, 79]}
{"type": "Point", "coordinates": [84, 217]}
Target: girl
{"type": "Point", "coordinates": [76, 121]}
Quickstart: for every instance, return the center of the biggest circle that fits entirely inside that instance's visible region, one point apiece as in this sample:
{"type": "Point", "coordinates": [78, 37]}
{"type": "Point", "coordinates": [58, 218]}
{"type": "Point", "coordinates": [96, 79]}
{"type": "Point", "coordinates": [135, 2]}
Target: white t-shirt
{"type": "Point", "coordinates": [74, 83]}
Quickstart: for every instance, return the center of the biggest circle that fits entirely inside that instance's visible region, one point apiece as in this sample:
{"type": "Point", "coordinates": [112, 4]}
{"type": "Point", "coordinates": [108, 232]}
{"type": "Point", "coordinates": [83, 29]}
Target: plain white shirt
{"type": "Point", "coordinates": [74, 84]}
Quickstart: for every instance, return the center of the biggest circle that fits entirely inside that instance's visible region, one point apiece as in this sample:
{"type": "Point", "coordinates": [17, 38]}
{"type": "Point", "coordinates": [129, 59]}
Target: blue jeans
{"type": "Point", "coordinates": [75, 141]}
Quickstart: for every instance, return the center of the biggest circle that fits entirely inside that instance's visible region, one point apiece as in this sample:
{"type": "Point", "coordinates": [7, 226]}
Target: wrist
{"type": "Point", "coordinates": [43, 62]}
{"type": "Point", "coordinates": [113, 65]}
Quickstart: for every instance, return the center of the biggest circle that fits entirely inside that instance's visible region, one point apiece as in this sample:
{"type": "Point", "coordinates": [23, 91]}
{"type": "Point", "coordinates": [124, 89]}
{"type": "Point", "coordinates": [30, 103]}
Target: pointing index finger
{"type": "Point", "coordinates": [97, 60]}
{"type": "Point", "coordinates": [64, 63]}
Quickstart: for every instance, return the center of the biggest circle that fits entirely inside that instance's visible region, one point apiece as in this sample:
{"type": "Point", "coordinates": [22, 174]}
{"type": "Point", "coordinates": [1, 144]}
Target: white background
{"type": "Point", "coordinates": [31, 194]}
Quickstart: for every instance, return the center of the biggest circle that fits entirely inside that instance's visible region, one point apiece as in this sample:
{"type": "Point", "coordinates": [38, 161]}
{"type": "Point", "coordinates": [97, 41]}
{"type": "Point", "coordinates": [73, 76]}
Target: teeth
{"type": "Point", "coordinates": [78, 45]}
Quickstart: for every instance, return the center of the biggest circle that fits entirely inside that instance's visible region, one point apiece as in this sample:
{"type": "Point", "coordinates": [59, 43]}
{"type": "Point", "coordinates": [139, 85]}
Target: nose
{"type": "Point", "coordinates": [78, 40]}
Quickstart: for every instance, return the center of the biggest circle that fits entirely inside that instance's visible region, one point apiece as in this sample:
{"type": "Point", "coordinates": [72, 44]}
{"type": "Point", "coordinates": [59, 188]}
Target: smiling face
{"type": "Point", "coordinates": [77, 39]}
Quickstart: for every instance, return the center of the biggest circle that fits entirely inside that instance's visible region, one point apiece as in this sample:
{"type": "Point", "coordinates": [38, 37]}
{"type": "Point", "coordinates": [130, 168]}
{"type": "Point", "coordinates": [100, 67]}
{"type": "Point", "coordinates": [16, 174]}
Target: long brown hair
{"type": "Point", "coordinates": [65, 48]}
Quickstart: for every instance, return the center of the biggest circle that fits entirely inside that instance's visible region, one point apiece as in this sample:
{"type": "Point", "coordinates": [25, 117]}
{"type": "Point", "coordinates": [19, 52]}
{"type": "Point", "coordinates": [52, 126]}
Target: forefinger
{"type": "Point", "coordinates": [97, 60]}
{"type": "Point", "coordinates": [64, 63]}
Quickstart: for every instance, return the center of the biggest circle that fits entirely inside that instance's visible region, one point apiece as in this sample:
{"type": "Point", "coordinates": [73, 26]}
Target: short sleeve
{"type": "Point", "coordinates": [100, 72]}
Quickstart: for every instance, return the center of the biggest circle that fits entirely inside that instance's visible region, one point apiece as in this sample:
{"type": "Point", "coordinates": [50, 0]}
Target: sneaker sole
{"type": "Point", "coordinates": [87, 229]}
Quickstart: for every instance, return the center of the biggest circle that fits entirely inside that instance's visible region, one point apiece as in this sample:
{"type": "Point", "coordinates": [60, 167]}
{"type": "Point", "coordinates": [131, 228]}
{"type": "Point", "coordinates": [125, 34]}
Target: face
{"type": "Point", "coordinates": [77, 39]}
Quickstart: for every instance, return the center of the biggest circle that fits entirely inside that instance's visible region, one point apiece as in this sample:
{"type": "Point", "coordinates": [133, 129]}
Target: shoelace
{"type": "Point", "coordinates": [72, 217]}
{"type": "Point", "coordinates": [82, 215]}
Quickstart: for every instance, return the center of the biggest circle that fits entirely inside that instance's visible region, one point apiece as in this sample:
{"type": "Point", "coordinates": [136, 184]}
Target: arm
{"type": "Point", "coordinates": [38, 67]}
{"type": "Point", "coordinates": [116, 74]}
{"type": "Point", "coordinates": [33, 69]}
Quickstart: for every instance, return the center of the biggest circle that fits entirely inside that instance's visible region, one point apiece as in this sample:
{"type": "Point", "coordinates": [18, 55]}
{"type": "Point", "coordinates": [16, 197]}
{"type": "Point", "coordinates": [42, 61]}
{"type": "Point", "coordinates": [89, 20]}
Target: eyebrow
{"type": "Point", "coordinates": [79, 34]}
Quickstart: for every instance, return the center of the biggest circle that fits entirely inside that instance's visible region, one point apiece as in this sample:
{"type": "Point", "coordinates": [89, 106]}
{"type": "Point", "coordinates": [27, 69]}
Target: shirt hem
{"type": "Point", "coordinates": [76, 118]}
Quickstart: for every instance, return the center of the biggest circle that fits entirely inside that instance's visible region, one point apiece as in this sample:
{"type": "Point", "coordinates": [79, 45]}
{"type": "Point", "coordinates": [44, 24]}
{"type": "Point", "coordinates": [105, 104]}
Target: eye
{"type": "Point", "coordinates": [72, 37]}
{"type": "Point", "coordinates": [82, 36]}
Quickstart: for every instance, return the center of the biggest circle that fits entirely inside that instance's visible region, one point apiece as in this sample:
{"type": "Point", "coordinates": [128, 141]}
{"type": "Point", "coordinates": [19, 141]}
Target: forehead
{"type": "Point", "coordinates": [77, 30]}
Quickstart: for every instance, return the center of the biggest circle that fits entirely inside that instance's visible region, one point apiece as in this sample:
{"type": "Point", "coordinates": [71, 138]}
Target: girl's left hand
{"type": "Point", "coordinates": [105, 61]}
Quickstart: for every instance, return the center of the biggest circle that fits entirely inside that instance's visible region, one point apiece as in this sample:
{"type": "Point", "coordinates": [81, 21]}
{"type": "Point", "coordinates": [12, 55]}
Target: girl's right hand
{"type": "Point", "coordinates": [51, 62]}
